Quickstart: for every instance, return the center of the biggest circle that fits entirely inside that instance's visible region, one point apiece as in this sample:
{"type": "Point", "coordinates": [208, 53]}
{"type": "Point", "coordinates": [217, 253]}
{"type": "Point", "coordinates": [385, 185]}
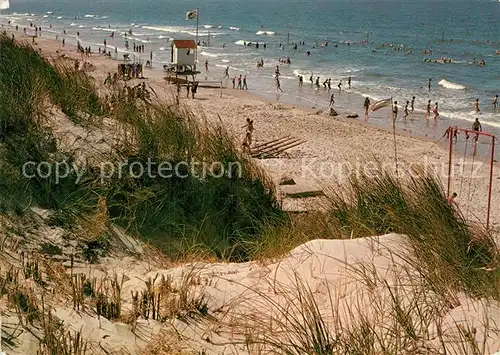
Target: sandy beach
{"type": "Point", "coordinates": [334, 146]}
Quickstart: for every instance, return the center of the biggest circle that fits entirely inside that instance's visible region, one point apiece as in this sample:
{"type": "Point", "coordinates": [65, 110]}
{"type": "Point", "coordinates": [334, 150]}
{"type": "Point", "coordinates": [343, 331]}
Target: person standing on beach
{"type": "Point", "coordinates": [234, 82]}
{"type": "Point", "coordinates": [340, 85]}
{"type": "Point", "coordinates": [428, 110]}
{"type": "Point", "coordinates": [63, 42]}
{"type": "Point", "coordinates": [429, 84]}
{"type": "Point", "coordinates": [278, 84]}
{"type": "Point", "coordinates": [435, 111]}
{"type": "Point", "coordinates": [206, 65]}
{"type": "Point", "coordinates": [301, 81]}
{"type": "Point", "coordinates": [239, 82]}
{"type": "Point", "coordinates": [226, 73]}
{"type": "Point", "coordinates": [311, 80]}
{"type": "Point", "coordinates": [187, 88]}
{"type": "Point", "coordinates": [366, 105]}
{"type": "Point", "coordinates": [332, 99]}
{"type": "Point", "coordinates": [476, 126]}
{"type": "Point", "coordinates": [406, 110]}
{"type": "Point", "coordinates": [495, 102]}
{"type": "Point", "coordinates": [317, 82]}
{"type": "Point", "coordinates": [412, 104]}
{"type": "Point", "coordinates": [476, 105]}
{"type": "Point", "coordinates": [349, 82]}
{"type": "Point", "coordinates": [244, 87]}
{"type": "Point", "coordinates": [395, 111]}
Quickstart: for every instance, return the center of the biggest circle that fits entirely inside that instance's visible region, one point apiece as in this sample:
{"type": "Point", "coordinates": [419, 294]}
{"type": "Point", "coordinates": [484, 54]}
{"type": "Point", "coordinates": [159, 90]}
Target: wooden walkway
{"type": "Point", "coordinates": [275, 148]}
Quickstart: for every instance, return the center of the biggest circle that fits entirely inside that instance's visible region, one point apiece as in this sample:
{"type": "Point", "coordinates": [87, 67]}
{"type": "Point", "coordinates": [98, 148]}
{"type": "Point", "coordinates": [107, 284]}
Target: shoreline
{"type": "Point", "coordinates": [336, 144]}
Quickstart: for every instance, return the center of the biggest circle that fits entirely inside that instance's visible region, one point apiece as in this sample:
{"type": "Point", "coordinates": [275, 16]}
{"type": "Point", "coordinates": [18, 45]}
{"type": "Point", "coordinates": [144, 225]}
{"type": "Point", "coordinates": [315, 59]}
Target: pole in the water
{"type": "Point", "coordinates": [442, 38]}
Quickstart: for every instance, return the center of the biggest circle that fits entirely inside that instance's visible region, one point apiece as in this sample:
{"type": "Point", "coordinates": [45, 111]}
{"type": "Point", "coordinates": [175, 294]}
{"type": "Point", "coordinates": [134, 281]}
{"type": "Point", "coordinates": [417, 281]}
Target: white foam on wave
{"type": "Point", "coordinates": [161, 37]}
{"type": "Point", "coordinates": [45, 16]}
{"type": "Point", "coordinates": [264, 33]}
{"type": "Point", "coordinates": [59, 17]}
{"type": "Point", "coordinates": [449, 85]}
{"type": "Point", "coordinates": [234, 28]}
{"type": "Point", "coordinates": [90, 16]}
{"type": "Point", "coordinates": [242, 42]}
{"type": "Point", "coordinates": [225, 60]}
{"type": "Point", "coordinates": [72, 24]}
{"type": "Point", "coordinates": [212, 55]}
{"type": "Point", "coordinates": [81, 26]}
{"type": "Point", "coordinates": [488, 118]}
{"type": "Point", "coordinates": [162, 48]}
{"type": "Point", "coordinates": [208, 26]}
{"type": "Point", "coordinates": [50, 13]}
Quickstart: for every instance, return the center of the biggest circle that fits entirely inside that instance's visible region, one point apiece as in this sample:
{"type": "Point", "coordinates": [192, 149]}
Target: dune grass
{"type": "Point", "coordinates": [446, 248]}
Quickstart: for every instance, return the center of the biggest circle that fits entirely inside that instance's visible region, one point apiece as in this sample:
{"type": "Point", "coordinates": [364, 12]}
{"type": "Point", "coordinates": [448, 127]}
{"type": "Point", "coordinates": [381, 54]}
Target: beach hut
{"type": "Point", "coordinates": [182, 59]}
{"type": "Point", "coordinates": [183, 53]}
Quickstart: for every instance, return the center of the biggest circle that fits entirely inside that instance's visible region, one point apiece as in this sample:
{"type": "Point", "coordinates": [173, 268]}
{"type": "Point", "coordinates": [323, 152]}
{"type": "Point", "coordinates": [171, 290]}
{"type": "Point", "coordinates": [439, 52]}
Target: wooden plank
{"type": "Point", "coordinates": [270, 142]}
{"type": "Point", "coordinates": [278, 151]}
{"type": "Point", "coordinates": [279, 145]}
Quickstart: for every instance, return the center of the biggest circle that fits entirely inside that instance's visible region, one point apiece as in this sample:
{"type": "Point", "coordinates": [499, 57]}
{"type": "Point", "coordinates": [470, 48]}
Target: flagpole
{"type": "Point", "coordinates": [394, 136]}
{"type": "Point", "coordinates": [197, 20]}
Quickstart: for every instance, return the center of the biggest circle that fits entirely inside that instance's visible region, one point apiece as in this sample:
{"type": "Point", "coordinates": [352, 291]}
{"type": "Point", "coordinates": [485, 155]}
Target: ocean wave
{"type": "Point", "coordinates": [59, 17]}
{"type": "Point", "coordinates": [449, 85]}
{"type": "Point", "coordinates": [212, 55]}
{"type": "Point", "coordinates": [72, 24]}
{"type": "Point", "coordinates": [242, 42]}
{"type": "Point", "coordinates": [50, 13]}
{"type": "Point", "coordinates": [208, 26]}
{"type": "Point", "coordinates": [268, 33]}
{"type": "Point", "coordinates": [90, 16]}
{"type": "Point", "coordinates": [234, 28]}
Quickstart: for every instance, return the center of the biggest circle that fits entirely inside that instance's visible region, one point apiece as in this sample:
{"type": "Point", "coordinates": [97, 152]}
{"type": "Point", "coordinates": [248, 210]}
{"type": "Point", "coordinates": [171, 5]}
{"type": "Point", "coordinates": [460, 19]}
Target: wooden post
{"type": "Point", "coordinates": [221, 88]}
{"type": "Point", "coordinates": [492, 163]}
{"type": "Point", "coordinates": [451, 131]}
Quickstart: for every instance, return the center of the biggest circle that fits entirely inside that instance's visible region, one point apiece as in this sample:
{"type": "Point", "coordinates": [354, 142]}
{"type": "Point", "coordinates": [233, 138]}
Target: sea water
{"type": "Point", "coordinates": [379, 44]}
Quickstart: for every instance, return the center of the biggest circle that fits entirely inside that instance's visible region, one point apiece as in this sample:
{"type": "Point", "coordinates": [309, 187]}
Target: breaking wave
{"type": "Point", "coordinates": [449, 85]}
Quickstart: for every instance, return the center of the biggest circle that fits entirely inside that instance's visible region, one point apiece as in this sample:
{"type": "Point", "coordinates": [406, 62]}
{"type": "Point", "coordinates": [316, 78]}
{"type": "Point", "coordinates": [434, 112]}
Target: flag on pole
{"type": "Point", "coordinates": [190, 15]}
{"type": "Point", "coordinates": [379, 104]}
